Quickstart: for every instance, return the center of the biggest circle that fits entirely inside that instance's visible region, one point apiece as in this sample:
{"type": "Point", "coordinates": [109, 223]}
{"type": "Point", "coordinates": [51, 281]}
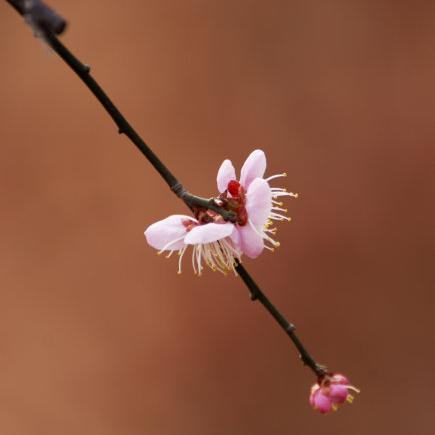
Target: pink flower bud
{"type": "Point", "coordinates": [330, 391]}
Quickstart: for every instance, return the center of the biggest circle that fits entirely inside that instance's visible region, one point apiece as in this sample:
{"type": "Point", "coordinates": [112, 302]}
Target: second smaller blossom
{"type": "Point", "coordinates": [331, 391]}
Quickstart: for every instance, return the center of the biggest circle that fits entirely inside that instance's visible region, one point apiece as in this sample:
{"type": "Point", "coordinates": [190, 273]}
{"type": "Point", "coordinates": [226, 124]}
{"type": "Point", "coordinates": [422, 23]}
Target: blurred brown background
{"type": "Point", "coordinates": [101, 336]}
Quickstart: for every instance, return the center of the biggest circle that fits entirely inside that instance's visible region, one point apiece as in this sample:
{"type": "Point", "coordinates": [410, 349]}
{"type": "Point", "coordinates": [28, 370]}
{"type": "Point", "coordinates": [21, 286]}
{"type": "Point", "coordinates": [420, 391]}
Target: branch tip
{"type": "Point", "coordinates": [40, 16]}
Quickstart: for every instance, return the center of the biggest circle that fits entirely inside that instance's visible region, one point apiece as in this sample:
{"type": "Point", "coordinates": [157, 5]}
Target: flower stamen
{"type": "Point", "coordinates": [181, 253]}
{"type": "Point", "coordinates": [279, 217]}
{"type": "Point", "coordinates": [263, 235]}
{"type": "Point", "coordinates": [280, 204]}
{"type": "Point", "coordinates": [272, 177]}
{"type": "Point", "coordinates": [169, 244]}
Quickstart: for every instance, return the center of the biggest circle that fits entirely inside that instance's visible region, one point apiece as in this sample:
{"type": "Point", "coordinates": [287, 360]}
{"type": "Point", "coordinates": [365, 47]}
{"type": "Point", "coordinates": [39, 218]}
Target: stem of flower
{"type": "Point", "coordinates": [83, 71]}
{"type": "Point", "coordinates": [124, 127]}
{"type": "Point", "coordinates": [47, 25]}
{"type": "Point", "coordinates": [289, 328]}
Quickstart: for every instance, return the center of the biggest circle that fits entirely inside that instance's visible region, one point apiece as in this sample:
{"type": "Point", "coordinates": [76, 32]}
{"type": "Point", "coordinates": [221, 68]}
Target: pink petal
{"type": "Point", "coordinates": [314, 390]}
{"type": "Point", "coordinates": [225, 174]}
{"type": "Point", "coordinates": [161, 233]}
{"type": "Point", "coordinates": [208, 233]}
{"type": "Point", "coordinates": [338, 393]}
{"type": "Point", "coordinates": [259, 202]}
{"type": "Point", "coordinates": [251, 243]}
{"type": "Point", "coordinates": [254, 167]}
{"type": "Point", "coordinates": [322, 403]}
{"type": "Point", "coordinates": [236, 239]}
{"type": "Point", "coordinates": [338, 378]}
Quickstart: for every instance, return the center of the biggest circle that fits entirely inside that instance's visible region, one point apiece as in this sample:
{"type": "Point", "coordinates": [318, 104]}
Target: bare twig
{"type": "Point", "coordinates": [50, 23]}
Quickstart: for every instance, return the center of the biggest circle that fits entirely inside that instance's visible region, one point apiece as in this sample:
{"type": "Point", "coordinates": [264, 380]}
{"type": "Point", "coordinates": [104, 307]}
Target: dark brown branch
{"type": "Point", "coordinates": [46, 20]}
{"type": "Point", "coordinates": [289, 328]}
{"type": "Point", "coordinates": [124, 127]}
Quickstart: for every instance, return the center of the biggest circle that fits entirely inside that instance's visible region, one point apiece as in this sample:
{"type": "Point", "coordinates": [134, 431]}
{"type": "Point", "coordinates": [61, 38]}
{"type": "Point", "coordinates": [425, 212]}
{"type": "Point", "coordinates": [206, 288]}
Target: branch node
{"type": "Point", "coordinates": [290, 328]}
{"type": "Point", "coordinates": [179, 190]}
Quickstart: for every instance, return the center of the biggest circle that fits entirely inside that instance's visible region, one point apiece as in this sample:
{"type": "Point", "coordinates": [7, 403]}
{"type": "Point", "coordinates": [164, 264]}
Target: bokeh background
{"type": "Point", "coordinates": [101, 336]}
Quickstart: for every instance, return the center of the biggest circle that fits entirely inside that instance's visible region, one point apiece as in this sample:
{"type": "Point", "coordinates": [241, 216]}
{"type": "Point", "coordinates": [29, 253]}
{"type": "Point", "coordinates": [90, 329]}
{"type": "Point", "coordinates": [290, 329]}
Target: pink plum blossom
{"type": "Point", "coordinates": [331, 391]}
{"type": "Point", "coordinates": [212, 242]}
{"type": "Point", "coordinates": [216, 242]}
{"type": "Point", "coordinates": [254, 202]}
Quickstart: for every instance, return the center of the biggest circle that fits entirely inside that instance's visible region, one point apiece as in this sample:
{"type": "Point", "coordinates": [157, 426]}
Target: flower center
{"type": "Point", "coordinates": [189, 224]}
{"type": "Point", "coordinates": [233, 199]}
{"type": "Point", "coordinates": [235, 188]}
{"type": "Point", "coordinates": [235, 202]}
